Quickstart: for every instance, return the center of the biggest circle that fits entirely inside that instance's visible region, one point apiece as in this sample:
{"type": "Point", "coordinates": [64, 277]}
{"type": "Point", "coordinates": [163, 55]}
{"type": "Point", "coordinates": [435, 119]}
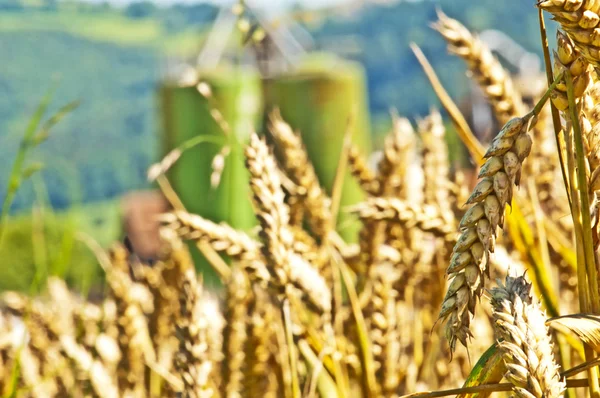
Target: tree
{"type": "Point", "coordinates": [139, 10]}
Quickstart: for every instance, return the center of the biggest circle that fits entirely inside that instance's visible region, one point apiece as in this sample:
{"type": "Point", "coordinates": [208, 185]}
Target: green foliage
{"type": "Point", "coordinates": [103, 148]}
{"type": "Point", "coordinates": [34, 136]}
{"type": "Point", "coordinates": [44, 243]}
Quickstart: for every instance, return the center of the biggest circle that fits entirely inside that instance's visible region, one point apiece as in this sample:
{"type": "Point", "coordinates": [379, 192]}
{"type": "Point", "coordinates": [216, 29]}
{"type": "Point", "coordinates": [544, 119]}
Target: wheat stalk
{"type": "Point", "coordinates": [524, 339]}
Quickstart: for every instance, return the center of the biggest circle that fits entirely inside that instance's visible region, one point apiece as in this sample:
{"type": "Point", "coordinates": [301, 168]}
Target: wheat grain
{"type": "Point", "coordinates": [297, 210]}
{"type": "Point", "coordinates": [370, 239]}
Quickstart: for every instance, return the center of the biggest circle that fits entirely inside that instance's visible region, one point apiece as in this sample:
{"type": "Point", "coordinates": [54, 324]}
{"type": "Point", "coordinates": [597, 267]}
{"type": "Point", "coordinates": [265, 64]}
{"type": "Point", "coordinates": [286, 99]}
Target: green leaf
{"type": "Point", "coordinates": [489, 369]}
{"type": "Point", "coordinates": [15, 174]}
{"type": "Point", "coordinates": [44, 132]}
{"type": "Point", "coordinates": [31, 170]}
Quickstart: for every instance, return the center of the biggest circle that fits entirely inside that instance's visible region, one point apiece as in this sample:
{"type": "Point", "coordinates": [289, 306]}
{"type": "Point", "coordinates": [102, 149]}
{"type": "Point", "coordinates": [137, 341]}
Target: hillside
{"type": "Point", "coordinates": [110, 60]}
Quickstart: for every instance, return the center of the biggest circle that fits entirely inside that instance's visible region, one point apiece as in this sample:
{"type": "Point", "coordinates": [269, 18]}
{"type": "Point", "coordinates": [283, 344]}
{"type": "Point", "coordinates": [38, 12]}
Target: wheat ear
{"type": "Point", "coordinates": [567, 57]}
{"type": "Point", "coordinates": [580, 20]}
{"type": "Point", "coordinates": [285, 267]}
{"type": "Point", "coordinates": [382, 321]}
{"type": "Point", "coordinates": [300, 170]}
{"type": "Point", "coordinates": [235, 335]}
{"type": "Point", "coordinates": [222, 237]}
{"type": "Point", "coordinates": [484, 67]}
{"type": "Point", "coordinates": [236, 244]}
{"type": "Point", "coordinates": [526, 346]}
{"type": "Point", "coordinates": [587, 93]}
{"type": "Point", "coordinates": [436, 168]}
{"type": "Point", "coordinates": [591, 133]}
{"type": "Point", "coordinates": [426, 218]}
{"type": "Point", "coordinates": [193, 360]}
{"type": "Point", "coordinates": [398, 154]}
{"type": "Point", "coordinates": [133, 300]}
{"type": "Point", "coordinates": [263, 370]}
{"type": "Point", "coordinates": [392, 169]}
{"type": "Point", "coordinates": [360, 170]}
{"type": "Point", "coordinates": [470, 256]}
{"type": "Point", "coordinates": [101, 380]}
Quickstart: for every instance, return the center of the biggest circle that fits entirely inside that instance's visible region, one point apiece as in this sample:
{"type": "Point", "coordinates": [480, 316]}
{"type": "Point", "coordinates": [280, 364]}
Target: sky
{"type": "Point", "coordinates": [261, 3]}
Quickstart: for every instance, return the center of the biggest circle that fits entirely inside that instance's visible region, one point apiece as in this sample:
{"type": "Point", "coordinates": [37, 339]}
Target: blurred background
{"type": "Point", "coordinates": [135, 71]}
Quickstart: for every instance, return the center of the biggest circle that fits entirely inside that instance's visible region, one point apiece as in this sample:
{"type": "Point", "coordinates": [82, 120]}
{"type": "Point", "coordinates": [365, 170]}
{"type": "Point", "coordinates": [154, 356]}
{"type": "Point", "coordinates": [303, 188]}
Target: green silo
{"type": "Point", "coordinates": [237, 95]}
{"type": "Point", "coordinates": [317, 99]}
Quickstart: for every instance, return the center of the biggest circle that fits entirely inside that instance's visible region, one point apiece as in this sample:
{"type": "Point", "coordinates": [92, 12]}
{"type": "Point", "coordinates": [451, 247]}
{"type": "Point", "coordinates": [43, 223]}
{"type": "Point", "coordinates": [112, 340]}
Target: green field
{"type": "Point", "coordinates": [108, 27]}
{"type": "Point", "coordinates": [42, 242]}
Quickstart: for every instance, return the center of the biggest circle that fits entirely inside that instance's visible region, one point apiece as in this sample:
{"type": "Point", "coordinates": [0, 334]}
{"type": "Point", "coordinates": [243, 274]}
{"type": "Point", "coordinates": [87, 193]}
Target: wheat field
{"type": "Point", "coordinates": [460, 284]}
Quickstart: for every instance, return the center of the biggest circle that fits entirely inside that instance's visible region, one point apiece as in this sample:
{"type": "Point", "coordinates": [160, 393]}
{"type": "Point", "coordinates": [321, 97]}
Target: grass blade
{"type": "Point", "coordinates": [490, 368]}
{"type": "Point", "coordinates": [14, 180]}
{"type": "Point", "coordinates": [462, 127]}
